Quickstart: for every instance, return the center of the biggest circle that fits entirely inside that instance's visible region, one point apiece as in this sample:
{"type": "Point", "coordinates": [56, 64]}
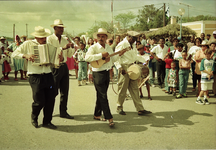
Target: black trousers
{"type": "Point", "coordinates": [61, 78]}
{"type": "Point", "coordinates": [160, 67]}
{"type": "Point", "coordinates": [101, 82]}
{"type": "Point", "coordinates": [43, 89]}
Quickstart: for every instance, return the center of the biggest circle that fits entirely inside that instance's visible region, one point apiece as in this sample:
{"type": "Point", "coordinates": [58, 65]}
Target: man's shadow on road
{"type": "Point", "coordinates": [132, 122]}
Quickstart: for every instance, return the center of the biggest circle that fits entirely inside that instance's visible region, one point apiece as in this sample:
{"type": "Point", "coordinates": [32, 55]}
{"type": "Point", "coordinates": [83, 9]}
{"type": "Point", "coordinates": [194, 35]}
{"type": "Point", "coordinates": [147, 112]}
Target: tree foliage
{"type": "Point", "coordinates": [100, 24]}
{"type": "Point", "coordinates": [125, 19]}
{"type": "Point", "coordinates": [198, 18]}
{"type": "Point", "coordinates": [149, 17]}
{"type": "Point", "coordinates": [173, 30]}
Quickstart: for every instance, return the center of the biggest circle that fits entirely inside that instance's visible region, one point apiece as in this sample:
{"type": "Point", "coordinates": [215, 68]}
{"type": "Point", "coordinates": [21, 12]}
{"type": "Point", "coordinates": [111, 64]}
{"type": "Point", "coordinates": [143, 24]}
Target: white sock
{"type": "Point", "coordinates": [198, 98]}
{"type": "Point", "coordinates": [205, 97]}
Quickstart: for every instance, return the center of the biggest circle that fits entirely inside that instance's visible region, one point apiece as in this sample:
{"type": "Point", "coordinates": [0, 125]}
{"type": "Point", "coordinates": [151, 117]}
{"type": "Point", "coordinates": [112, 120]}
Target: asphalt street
{"type": "Point", "coordinates": [173, 124]}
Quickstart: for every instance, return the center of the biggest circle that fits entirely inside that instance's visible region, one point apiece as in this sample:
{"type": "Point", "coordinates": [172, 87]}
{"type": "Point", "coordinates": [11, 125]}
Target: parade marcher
{"type": "Point", "coordinates": [198, 58]}
{"type": "Point", "coordinates": [5, 66]}
{"type": "Point", "coordinates": [79, 56]}
{"type": "Point", "coordinates": [23, 39]}
{"type": "Point", "coordinates": [40, 78]}
{"type": "Point", "coordinates": [101, 75]}
{"type": "Point", "coordinates": [18, 63]}
{"type": "Point", "coordinates": [61, 74]}
{"type": "Point", "coordinates": [124, 82]}
{"type": "Point", "coordinates": [191, 53]}
{"type": "Point", "coordinates": [160, 51]}
{"type": "Point", "coordinates": [207, 68]}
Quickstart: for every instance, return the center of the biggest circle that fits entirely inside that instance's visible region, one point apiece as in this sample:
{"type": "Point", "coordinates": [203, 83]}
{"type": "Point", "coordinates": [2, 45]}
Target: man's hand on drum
{"type": "Point", "coordinates": [29, 57]}
{"type": "Point", "coordinates": [122, 71]}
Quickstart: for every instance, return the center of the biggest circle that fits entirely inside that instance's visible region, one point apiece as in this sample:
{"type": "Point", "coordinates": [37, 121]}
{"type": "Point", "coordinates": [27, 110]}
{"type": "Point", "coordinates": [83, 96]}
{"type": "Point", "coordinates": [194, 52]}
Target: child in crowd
{"type": "Point", "coordinates": [184, 69]}
{"type": "Point", "coordinates": [168, 60]}
{"type": "Point", "coordinates": [153, 62]}
{"type": "Point", "coordinates": [82, 64]}
{"type": "Point", "coordinates": [172, 78]}
{"type": "Point", "coordinates": [207, 69]}
{"type": "Point", "coordinates": [90, 78]}
{"type": "Point", "coordinates": [146, 56]}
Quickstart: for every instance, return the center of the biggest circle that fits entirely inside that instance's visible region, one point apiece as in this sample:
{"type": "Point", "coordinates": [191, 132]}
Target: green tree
{"type": "Point", "coordinates": [125, 19]}
{"type": "Point", "coordinates": [149, 17]}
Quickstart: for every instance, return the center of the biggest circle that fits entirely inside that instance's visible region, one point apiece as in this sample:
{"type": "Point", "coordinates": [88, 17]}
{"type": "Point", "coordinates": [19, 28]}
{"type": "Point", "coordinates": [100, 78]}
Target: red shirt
{"type": "Point", "coordinates": [168, 62]}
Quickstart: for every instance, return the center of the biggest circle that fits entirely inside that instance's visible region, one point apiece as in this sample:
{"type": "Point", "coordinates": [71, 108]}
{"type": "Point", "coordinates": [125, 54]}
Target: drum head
{"type": "Point", "coordinates": [134, 72]}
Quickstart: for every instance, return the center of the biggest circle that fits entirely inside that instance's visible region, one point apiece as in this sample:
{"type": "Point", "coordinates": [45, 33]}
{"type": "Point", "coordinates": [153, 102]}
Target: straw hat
{"type": "Point", "coordinates": [102, 31]}
{"type": "Point", "coordinates": [2, 38]}
{"type": "Point", "coordinates": [134, 72]}
{"type": "Point", "coordinates": [41, 32]}
{"type": "Point", "coordinates": [204, 43]}
{"type": "Point", "coordinates": [58, 23]}
{"type": "Point", "coordinates": [133, 33]}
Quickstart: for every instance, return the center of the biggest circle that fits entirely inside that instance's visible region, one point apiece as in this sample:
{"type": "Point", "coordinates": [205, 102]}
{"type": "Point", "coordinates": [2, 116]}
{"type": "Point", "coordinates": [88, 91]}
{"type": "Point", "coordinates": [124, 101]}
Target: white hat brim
{"type": "Point", "coordinates": [35, 34]}
{"type": "Point", "coordinates": [95, 34]}
{"type": "Point", "coordinates": [53, 25]}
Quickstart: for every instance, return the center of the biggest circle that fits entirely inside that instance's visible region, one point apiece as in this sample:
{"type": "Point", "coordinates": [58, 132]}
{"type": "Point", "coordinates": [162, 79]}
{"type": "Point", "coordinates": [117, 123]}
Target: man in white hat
{"type": "Point", "coordinates": [40, 78]}
{"type": "Point", "coordinates": [101, 75]}
{"type": "Point", "coordinates": [213, 39]}
{"type": "Point", "coordinates": [127, 80]}
{"type": "Point", "coordinates": [61, 74]}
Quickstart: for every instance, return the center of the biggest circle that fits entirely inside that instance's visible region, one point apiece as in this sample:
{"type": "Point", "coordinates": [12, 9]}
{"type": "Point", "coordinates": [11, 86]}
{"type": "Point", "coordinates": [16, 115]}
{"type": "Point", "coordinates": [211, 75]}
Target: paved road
{"type": "Point", "coordinates": [174, 123]}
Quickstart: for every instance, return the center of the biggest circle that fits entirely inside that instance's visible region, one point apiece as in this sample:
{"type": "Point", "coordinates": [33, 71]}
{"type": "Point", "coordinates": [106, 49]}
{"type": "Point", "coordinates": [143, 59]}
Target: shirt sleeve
{"type": "Point", "coordinates": [154, 49]}
{"type": "Point", "coordinates": [91, 56]}
{"type": "Point", "coordinates": [202, 65]}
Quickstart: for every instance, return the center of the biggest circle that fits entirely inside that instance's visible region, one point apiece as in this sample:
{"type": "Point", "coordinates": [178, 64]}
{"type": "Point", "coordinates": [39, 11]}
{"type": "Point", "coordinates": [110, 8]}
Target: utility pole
{"type": "Point", "coordinates": [13, 32]}
{"type": "Point", "coordinates": [27, 30]}
{"type": "Point", "coordinates": [164, 22]}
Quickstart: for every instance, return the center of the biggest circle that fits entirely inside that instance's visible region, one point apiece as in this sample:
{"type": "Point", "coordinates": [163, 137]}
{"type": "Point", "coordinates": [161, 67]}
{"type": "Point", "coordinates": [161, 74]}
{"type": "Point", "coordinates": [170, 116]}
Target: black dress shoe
{"type": "Point", "coordinates": [144, 112]}
{"type": "Point", "coordinates": [50, 126]}
{"type": "Point", "coordinates": [67, 116]}
{"type": "Point", "coordinates": [34, 123]}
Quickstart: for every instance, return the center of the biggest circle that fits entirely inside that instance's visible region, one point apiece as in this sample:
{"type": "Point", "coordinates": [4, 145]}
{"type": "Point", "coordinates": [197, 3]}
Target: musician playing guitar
{"type": "Point", "coordinates": [124, 83]}
{"type": "Point", "coordinates": [100, 74]}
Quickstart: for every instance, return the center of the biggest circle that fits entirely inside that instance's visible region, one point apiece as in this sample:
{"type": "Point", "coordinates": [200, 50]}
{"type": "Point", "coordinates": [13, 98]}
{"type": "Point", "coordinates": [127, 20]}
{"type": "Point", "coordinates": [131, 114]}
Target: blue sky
{"type": "Point", "coordinates": [79, 16]}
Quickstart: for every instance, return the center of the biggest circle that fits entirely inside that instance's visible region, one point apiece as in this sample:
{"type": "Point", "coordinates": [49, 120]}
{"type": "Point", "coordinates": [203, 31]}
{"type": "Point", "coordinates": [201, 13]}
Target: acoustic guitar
{"type": "Point", "coordinates": [100, 62]}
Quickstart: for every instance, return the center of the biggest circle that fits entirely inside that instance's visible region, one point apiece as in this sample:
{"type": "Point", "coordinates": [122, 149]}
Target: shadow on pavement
{"type": "Point", "coordinates": [132, 122]}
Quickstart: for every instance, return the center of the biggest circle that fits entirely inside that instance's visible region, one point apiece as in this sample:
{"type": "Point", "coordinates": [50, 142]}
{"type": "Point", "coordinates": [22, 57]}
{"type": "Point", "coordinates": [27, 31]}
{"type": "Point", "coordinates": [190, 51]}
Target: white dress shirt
{"type": "Point", "coordinates": [192, 51]}
{"type": "Point", "coordinates": [53, 39]}
{"type": "Point", "coordinates": [159, 51]}
{"type": "Point", "coordinates": [95, 53]}
{"type": "Point", "coordinates": [129, 56]}
{"type": "Point", "coordinates": [25, 48]}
